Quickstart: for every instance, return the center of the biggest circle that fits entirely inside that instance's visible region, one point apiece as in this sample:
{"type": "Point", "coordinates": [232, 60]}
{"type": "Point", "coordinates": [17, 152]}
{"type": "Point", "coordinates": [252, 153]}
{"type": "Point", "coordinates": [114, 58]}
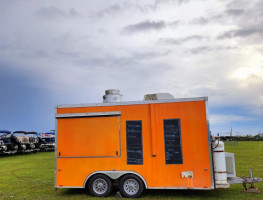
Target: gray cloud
{"type": "Point", "coordinates": [149, 25]}
{"type": "Point", "coordinates": [148, 54]}
{"type": "Point", "coordinates": [54, 12]}
{"type": "Point", "coordinates": [199, 21]}
{"type": "Point", "coordinates": [226, 35]}
{"type": "Point", "coordinates": [205, 49]}
{"type": "Point", "coordinates": [242, 32]}
{"type": "Point", "coordinates": [174, 24]}
{"type": "Point", "coordinates": [179, 41]}
{"type": "Point", "coordinates": [248, 17]}
{"type": "Point", "coordinates": [102, 31]}
{"type": "Point", "coordinates": [218, 17]}
{"type": "Point", "coordinates": [234, 12]}
{"type": "Point", "coordinates": [200, 50]}
{"type": "Point", "coordinates": [170, 1]}
{"type": "Point", "coordinates": [132, 59]}
{"type": "Point", "coordinates": [158, 3]}
{"type": "Point", "coordinates": [144, 26]}
{"type": "Point", "coordinates": [108, 11]}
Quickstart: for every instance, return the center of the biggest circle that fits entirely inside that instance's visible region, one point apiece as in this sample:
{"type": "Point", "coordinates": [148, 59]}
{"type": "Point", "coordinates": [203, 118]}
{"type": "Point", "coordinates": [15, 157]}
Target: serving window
{"type": "Point", "coordinates": [172, 141]}
{"type": "Point", "coordinates": [134, 142]}
{"type": "Point", "coordinates": [95, 136]}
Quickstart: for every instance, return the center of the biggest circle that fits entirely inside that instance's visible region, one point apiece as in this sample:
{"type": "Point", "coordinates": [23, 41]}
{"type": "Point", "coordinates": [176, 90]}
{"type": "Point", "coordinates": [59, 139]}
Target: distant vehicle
{"type": "Point", "coordinates": [8, 145]}
{"type": "Point", "coordinates": [34, 141]}
{"type": "Point", "coordinates": [22, 141]}
{"type": "Point", "coordinates": [49, 139]}
{"type": "Point", "coordinates": [2, 146]}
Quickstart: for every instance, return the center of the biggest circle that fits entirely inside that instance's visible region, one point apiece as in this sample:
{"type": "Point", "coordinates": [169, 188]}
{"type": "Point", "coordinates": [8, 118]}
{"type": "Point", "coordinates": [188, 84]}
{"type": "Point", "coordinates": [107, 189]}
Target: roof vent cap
{"type": "Point", "coordinates": [112, 95]}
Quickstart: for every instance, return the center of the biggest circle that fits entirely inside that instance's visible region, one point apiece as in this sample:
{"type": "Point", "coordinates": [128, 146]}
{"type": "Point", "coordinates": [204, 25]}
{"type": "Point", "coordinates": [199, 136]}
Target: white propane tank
{"type": "Point", "coordinates": [112, 95]}
{"type": "Point", "coordinates": [219, 165]}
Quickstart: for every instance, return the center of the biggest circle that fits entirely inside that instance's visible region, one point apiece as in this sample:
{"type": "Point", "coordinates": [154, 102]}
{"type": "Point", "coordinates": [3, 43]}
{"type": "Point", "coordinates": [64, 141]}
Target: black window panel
{"type": "Point", "coordinates": [134, 142]}
{"type": "Point", "coordinates": [172, 140]}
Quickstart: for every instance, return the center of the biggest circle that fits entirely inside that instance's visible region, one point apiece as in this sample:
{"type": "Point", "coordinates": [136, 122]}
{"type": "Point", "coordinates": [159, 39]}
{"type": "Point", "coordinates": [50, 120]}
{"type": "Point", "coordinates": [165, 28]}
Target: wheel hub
{"type": "Point", "coordinates": [100, 186]}
{"type": "Point", "coordinates": [131, 186]}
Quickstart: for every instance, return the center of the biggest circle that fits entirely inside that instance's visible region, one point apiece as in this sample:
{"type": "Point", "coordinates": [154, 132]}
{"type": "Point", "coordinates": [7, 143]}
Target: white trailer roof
{"type": "Point", "coordinates": [132, 102]}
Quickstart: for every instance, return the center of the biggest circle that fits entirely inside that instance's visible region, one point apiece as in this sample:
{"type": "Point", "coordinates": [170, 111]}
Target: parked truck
{"type": "Point", "coordinates": [20, 139]}
{"type": "Point", "coordinates": [158, 143]}
{"type": "Point", "coordinates": [8, 143]}
{"type": "Point", "coordinates": [3, 145]}
{"type": "Point", "coordinates": [48, 139]}
{"type": "Point", "coordinates": [35, 141]}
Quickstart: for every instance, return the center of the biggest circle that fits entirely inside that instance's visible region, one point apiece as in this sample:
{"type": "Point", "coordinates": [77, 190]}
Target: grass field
{"type": "Point", "coordinates": [31, 177]}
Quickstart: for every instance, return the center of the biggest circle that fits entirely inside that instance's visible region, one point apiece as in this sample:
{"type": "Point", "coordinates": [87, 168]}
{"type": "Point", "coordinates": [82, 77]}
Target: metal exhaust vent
{"type": "Point", "coordinates": [157, 96]}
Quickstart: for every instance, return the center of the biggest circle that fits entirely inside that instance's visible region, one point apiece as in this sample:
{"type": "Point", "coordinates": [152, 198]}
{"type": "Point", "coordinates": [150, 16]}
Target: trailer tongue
{"type": "Point", "coordinates": [225, 172]}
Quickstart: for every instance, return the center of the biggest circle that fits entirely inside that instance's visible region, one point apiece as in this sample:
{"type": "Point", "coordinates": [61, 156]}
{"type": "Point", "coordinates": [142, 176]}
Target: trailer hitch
{"type": "Point", "coordinates": [246, 180]}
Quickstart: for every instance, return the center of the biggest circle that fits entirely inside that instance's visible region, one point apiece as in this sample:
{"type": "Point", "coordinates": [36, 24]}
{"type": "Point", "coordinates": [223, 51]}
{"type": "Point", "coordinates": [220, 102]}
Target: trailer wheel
{"type": "Point", "coordinates": [131, 186]}
{"type": "Point", "coordinates": [100, 185]}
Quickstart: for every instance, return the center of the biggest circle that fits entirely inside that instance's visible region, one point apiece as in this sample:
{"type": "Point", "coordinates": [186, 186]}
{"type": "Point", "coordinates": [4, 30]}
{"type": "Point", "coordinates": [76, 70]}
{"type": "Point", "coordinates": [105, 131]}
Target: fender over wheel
{"type": "Point", "coordinates": [100, 185]}
{"type": "Point", "coordinates": [131, 186]}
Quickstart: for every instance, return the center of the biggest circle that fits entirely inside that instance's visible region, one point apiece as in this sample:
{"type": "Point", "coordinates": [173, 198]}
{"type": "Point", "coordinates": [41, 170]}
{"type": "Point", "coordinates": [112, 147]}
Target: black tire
{"type": "Point", "coordinates": [100, 185]}
{"type": "Point", "coordinates": [131, 186]}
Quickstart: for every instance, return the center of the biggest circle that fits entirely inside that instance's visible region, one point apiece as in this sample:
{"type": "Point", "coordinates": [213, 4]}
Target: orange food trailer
{"type": "Point", "coordinates": [150, 144]}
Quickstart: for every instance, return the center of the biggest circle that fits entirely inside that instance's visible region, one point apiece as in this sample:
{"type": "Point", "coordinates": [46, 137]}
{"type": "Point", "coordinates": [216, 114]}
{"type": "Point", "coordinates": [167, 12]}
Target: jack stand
{"type": "Point", "coordinates": [251, 189]}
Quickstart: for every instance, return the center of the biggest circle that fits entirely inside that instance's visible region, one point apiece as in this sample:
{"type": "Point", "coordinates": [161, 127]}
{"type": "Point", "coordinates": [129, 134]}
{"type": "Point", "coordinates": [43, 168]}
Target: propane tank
{"type": "Point", "coordinates": [219, 165]}
{"type": "Point", "coordinates": [112, 95]}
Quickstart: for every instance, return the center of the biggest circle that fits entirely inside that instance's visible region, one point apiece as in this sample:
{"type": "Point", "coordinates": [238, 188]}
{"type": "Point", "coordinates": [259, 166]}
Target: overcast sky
{"type": "Point", "coordinates": [63, 52]}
